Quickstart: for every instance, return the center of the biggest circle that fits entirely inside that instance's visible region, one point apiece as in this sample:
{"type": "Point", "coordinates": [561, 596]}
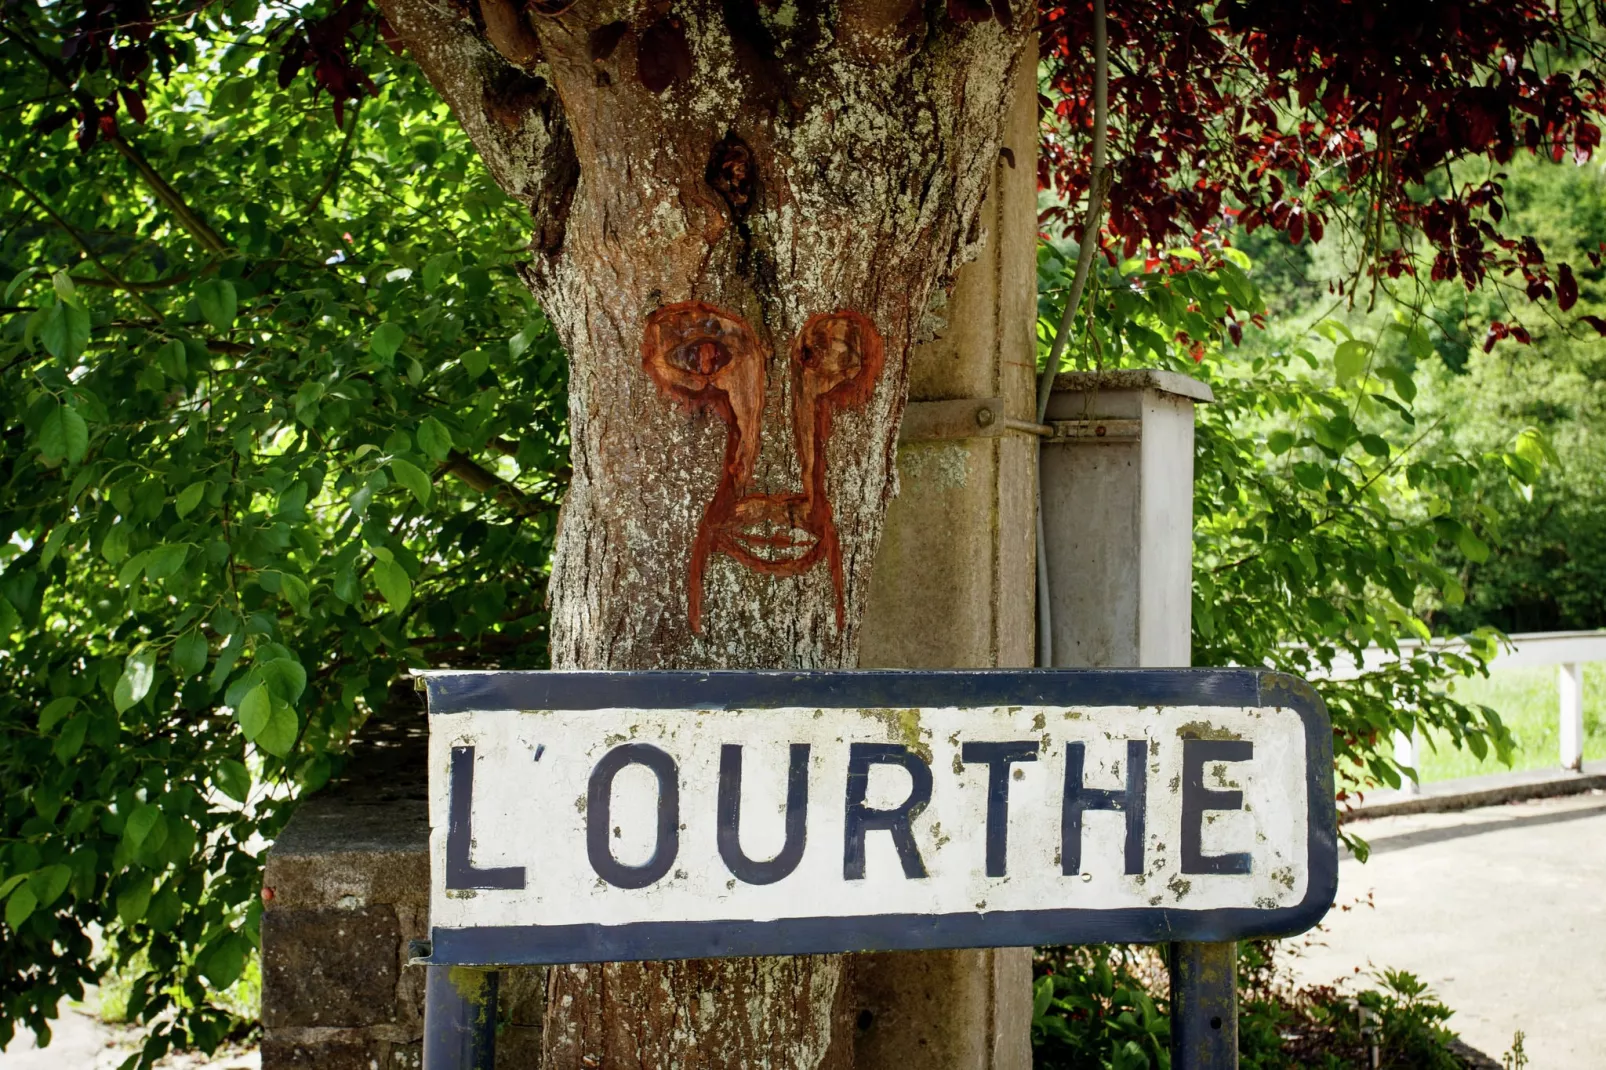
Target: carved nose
{"type": "Point", "coordinates": [777, 470]}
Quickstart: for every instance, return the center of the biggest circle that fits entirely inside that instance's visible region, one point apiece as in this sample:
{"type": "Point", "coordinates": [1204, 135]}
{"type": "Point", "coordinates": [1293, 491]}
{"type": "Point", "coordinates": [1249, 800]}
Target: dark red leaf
{"type": "Point", "coordinates": [1595, 322]}
{"type": "Point", "coordinates": [392, 39]}
{"type": "Point", "coordinates": [1520, 334]}
{"type": "Point", "coordinates": [133, 102]}
{"type": "Point", "coordinates": [1566, 287]}
{"type": "Point", "coordinates": [295, 57]}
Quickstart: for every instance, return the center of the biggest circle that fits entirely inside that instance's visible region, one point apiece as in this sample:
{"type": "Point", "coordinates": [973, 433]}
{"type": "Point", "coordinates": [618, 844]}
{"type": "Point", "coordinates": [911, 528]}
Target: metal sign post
{"type": "Point", "coordinates": [592, 817]}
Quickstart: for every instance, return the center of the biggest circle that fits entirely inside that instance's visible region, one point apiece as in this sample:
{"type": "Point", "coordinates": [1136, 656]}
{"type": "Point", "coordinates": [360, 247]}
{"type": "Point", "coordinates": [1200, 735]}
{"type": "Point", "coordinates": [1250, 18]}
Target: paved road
{"type": "Point", "coordinates": [1501, 910]}
{"type": "Point", "coordinates": [82, 1042]}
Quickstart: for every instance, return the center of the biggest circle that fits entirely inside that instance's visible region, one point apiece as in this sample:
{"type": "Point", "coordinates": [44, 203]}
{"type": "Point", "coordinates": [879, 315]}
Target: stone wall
{"type": "Point", "coordinates": [346, 889]}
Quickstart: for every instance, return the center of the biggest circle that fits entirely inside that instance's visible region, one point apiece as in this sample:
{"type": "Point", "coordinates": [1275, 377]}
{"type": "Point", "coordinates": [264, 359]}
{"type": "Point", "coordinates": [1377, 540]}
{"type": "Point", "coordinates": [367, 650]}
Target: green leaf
{"type": "Point", "coordinates": [255, 711]}
{"type": "Point", "coordinates": [1238, 257]}
{"type": "Point", "coordinates": [62, 283]}
{"type": "Point", "coordinates": [284, 677]}
{"type": "Point", "coordinates": [132, 568]}
{"type": "Point", "coordinates": [218, 303]}
{"type": "Point", "coordinates": [233, 779]}
{"type": "Point", "coordinates": [189, 654]}
{"type": "Point", "coordinates": [295, 591]}
{"type": "Point", "coordinates": [1476, 549]}
{"type": "Point", "coordinates": [279, 734]}
{"type": "Point", "coordinates": [65, 331]}
{"type": "Point", "coordinates": [10, 883]}
{"type": "Point", "coordinates": [70, 740]}
{"type": "Point", "coordinates": [434, 439]}
{"type": "Point", "coordinates": [139, 671]}
{"type": "Point", "coordinates": [17, 280]}
{"type": "Point", "coordinates": [1279, 442]}
{"type": "Point", "coordinates": [133, 901]}
{"type": "Point", "coordinates": [225, 661]}
{"type": "Point", "coordinates": [1533, 446]}
{"type": "Point", "coordinates": [475, 361]}
{"type": "Point", "coordinates": [1375, 445]}
{"type": "Point", "coordinates": [189, 498]}
{"type": "Point", "coordinates": [224, 962]}
{"type": "Point", "coordinates": [48, 883]}
{"type": "Point", "coordinates": [171, 357]}
{"type": "Point", "coordinates": [164, 911]}
{"type": "Point", "coordinates": [387, 339]}
{"type": "Point", "coordinates": [435, 269]}
{"type": "Point", "coordinates": [410, 476]}
{"type": "Point", "coordinates": [166, 560]}
{"type": "Point", "coordinates": [393, 583]}
{"type": "Point", "coordinates": [1418, 343]}
{"type": "Point", "coordinates": [20, 906]}
{"type": "Point", "coordinates": [1349, 359]}
{"type": "Point", "coordinates": [141, 823]}
{"type": "Point", "coordinates": [52, 547]}
{"type": "Point", "coordinates": [54, 711]}
{"type": "Point", "coordinates": [63, 436]}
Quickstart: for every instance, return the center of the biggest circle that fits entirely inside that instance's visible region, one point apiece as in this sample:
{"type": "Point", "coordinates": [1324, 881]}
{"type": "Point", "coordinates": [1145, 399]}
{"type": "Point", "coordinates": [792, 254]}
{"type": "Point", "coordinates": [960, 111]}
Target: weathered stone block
{"type": "Point", "coordinates": [330, 967]}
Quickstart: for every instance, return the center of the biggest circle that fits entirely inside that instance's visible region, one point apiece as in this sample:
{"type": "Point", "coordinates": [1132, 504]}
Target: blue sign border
{"type": "Point", "coordinates": [457, 692]}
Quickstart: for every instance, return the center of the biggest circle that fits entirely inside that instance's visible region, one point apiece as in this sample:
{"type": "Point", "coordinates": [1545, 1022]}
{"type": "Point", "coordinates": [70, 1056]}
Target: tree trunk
{"type": "Point", "coordinates": [746, 213]}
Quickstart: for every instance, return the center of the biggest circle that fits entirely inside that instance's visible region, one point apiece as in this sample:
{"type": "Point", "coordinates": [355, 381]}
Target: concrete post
{"type": "Point", "coordinates": [1571, 679]}
{"type": "Point", "coordinates": [953, 588]}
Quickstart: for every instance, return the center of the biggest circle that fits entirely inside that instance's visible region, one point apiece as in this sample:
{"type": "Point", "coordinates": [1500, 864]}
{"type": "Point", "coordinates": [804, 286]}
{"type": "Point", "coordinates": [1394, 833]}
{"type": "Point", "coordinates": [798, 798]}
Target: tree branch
{"type": "Point", "coordinates": [192, 222]}
{"type": "Point", "coordinates": [482, 479]}
{"type": "Point", "coordinates": [112, 278]}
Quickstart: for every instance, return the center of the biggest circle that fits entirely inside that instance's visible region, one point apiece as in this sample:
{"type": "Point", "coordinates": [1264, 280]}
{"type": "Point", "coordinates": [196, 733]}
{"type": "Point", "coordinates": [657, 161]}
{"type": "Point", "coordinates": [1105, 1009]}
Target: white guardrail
{"type": "Point", "coordinates": [1568, 651]}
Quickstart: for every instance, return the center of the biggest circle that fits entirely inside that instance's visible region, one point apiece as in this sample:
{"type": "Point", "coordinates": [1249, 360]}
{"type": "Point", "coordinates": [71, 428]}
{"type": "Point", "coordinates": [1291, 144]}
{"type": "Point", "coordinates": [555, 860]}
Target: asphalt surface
{"type": "Point", "coordinates": [1501, 910]}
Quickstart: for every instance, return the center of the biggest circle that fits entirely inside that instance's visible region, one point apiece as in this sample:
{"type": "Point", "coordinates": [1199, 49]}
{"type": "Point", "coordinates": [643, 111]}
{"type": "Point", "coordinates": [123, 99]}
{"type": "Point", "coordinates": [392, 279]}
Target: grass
{"type": "Point", "coordinates": [1527, 700]}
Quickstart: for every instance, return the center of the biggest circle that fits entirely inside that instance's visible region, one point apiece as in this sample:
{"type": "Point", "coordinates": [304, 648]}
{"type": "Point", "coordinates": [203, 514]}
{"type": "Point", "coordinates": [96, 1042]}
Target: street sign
{"type": "Point", "coordinates": [580, 817]}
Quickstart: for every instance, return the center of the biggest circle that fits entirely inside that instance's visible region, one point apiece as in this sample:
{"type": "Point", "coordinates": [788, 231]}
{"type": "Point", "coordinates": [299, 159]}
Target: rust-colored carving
{"type": "Point", "coordinates": [708, 359]}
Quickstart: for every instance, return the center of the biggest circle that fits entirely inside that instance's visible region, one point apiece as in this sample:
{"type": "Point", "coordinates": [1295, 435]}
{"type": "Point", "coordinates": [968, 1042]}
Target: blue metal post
{"type": "Point", "coordinates": [460, 1018]}
{"type": "Point", "coordinates": [1204, 1006]}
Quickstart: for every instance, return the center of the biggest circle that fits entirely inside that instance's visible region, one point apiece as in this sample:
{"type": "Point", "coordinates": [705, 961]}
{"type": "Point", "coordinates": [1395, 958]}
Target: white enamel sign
{"type": "Point", "coordinates": [581, 817]}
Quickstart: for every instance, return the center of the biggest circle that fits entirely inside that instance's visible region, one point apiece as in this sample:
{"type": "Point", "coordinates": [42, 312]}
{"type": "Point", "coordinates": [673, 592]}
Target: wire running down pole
{"type": "Point", "coordinates": [1098, 186]}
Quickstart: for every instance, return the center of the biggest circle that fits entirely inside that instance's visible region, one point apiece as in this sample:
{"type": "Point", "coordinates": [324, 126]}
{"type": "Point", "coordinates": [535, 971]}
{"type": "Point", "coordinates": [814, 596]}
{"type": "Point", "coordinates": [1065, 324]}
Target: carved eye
{"type": "Point", "coordinates": [840, 356]}
{"type": "Point", "coordinates": [700, 356]}
{"type": "Point", "coordinates": [686, 346]}
{"type": "Point", "coordinates": [832, 351]}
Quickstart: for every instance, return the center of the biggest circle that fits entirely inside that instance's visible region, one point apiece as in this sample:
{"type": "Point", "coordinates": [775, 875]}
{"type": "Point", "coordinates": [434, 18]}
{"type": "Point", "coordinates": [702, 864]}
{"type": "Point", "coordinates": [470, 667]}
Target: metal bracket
{"type": "Point", "coordinates": [928, 421]}
{"type": "Point", "coordinates": [1096, 431]}
{"type": "Point", "coordinates": [934, 421]}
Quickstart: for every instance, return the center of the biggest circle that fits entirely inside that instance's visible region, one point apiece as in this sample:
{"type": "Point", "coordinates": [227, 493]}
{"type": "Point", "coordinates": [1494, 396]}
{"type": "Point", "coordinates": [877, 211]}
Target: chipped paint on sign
{"type": "Point", "coordinates": [638, 819]}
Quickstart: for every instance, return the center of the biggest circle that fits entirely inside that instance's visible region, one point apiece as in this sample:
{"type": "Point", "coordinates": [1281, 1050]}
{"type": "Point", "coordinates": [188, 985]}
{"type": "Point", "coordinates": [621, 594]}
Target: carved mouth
{"type": "Point", "coordinates": [773, 541]}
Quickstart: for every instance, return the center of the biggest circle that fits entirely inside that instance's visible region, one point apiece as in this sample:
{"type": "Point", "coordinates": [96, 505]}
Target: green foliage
{"type": "Point", "coordinates": [1486, 394]}
{"type": "Point", "coordinates": [1091, 1008]}
{"type": "Point", "coordinates": [232, 505]}
{"type": "Point", "coordinates": [1108, 1007]}
{"type": "Point", "coordinates": [1320, 516]}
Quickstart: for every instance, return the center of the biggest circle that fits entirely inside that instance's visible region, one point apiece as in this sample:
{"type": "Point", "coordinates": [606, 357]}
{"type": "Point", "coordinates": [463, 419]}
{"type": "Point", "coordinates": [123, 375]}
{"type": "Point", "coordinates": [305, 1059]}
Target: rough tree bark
{"type": "Point", "coordinates": [746, 212]}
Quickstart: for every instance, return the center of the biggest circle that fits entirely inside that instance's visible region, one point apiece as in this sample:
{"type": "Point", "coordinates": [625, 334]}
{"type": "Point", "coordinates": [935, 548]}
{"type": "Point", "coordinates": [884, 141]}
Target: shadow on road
{"type": "Point", "coordinates": [1421, 837]}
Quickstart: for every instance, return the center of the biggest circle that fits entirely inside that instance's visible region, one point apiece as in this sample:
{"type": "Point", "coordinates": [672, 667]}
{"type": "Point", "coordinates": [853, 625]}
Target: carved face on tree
{"type": "Point", "coordinates": [709, 360]}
